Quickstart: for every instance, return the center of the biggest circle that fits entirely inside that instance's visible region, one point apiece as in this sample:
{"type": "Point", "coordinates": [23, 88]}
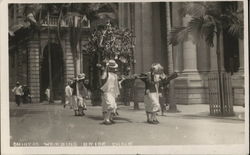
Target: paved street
{"type": "Point", "coordinates": [43, 124]}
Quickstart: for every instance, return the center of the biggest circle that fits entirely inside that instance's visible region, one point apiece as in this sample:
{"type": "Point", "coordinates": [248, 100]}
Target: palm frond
{"type": "Point", "coordinates": [178, 34]}
{"type": "Point", "coordinates": [232, 20]}
{"type": "Point", "coordinates": [200, 28]}
{"type": "Point", "coordinates": [209, 38]}
{"type": "Point", "coordinates": [195, 25]}
{"type": "Point", "coordinates": [235, 30]}
{"type": "Point", "coordinates": [209, 29]}
{"type": "Point", "coordinates": [195, 9]}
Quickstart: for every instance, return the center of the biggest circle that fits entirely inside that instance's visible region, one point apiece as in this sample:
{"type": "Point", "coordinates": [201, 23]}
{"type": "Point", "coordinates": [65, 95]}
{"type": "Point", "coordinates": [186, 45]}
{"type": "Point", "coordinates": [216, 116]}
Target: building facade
{"type": "Point", "coordinates": [151, 23]}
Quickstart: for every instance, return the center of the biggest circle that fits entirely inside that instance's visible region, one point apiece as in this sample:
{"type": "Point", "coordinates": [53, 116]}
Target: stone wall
{"type": "Point", "coordinates": [18, 68]}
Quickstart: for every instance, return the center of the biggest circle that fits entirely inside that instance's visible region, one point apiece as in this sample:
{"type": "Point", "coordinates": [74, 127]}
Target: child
{"type": "Point", "coordinates": [79, 95]}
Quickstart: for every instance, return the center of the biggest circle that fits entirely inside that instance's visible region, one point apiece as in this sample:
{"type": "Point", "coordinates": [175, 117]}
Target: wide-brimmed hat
{"type": "Point", "coordinates": [112, 64]}
{"type": "Point", "coordinates": [81, 76]}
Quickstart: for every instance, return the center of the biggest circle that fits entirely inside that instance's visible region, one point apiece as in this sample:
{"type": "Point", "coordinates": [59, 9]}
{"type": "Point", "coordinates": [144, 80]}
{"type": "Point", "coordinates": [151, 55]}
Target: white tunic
{"type": "Point", "coordinates": [110, 92]}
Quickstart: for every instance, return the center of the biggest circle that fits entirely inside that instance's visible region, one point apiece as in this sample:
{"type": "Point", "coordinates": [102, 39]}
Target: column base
{"type": "Point", "coordinates": [191, 88]}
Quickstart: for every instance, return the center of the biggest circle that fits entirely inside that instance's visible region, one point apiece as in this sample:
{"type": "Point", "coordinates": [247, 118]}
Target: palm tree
{"type": "Point", "coordinates": [208, 21]}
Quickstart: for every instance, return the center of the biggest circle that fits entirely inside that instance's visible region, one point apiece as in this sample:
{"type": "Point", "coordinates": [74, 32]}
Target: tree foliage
{"type": "Point", "coordinates": [209, 19]}
{"type": "Point", "coordinates": [112, 43]}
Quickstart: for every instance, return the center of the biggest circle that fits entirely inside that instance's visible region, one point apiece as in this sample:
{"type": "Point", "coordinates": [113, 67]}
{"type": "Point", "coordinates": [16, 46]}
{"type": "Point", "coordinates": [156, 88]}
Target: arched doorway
{"type": "Point", "coordinates": [56, 70]}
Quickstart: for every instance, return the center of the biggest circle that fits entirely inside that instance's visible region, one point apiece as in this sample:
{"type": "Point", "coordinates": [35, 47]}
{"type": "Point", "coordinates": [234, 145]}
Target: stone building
{"type": "Point", "coordinates": [150, 23]}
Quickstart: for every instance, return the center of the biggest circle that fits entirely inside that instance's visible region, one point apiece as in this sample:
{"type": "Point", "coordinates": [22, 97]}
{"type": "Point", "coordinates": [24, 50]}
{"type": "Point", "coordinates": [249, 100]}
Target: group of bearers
{"type": "Point", "coordinates": [76, 91]}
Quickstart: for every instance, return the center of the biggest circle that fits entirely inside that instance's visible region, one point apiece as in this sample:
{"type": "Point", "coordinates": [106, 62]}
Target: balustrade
{"type": "Point", "coordinates": [53, 21]}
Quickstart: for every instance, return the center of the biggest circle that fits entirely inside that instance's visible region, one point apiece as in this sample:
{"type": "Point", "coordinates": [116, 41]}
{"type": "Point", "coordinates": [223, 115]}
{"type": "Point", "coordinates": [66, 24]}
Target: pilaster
{"type": "Point", "coordinates": [68, 61]}
{"type": "Point", "coordinates": [33, 70]}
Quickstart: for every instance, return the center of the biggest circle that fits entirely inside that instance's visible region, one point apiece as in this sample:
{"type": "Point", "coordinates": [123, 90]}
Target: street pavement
{"type": "Point", "coordinates": [52, 125]}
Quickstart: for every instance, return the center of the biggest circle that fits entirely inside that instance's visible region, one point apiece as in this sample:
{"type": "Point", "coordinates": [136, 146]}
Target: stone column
{"type": "Point", "coordinates": [147, 36]}
{"type": "Point", "coordinates": [124, 15]}
{"type": "Point", "coordinates": [138, 40]}
{"type": "Point", "coordinates": [189, 51]}
{"type": "Point", "coordinates": [171, 96]}
{"type": "Point", "coordinates": [177, 50]}
{"type": "Point", "coordinates": [203, 66]}
{"type": "Point", "coordinates": [33, 70]}
{"type": "Point", "coordinates": [121, 14]}
{"type": "Point", "coordinates": [169, 47]}
{"type": "Point", "coordinates": [144, 48]}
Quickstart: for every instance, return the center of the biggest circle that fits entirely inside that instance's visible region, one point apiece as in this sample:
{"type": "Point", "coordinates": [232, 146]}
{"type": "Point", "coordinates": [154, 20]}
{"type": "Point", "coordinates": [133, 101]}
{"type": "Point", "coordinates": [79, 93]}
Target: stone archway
{"type": "Point", "coordinates": [57, 72]}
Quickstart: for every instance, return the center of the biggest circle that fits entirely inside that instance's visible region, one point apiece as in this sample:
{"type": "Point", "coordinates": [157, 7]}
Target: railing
{"type": "Point", "coordinates": [216, 107]}
{"type": "Point", "coordinates": [53, 21]}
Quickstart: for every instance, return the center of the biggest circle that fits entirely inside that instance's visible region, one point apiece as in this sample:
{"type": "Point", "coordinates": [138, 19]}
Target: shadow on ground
{"type": "Point", "coordinates": [100, 118]}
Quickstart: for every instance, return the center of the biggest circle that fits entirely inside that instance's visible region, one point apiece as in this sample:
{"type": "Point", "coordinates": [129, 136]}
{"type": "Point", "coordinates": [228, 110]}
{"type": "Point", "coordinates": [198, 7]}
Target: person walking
{"type": "Point", "coordinates": [18, 92]}
{"type": "Point", "coordinates": [68, 95]}
{"type": "Point", "coordinates": [151, 98]}
{"type": "Point", "coordinates": [79, 95]}
{"type": "Point", "coordinates": [26, 94]}
{"type": "Point", "coordinates": [47, 93]}
{"type": "Point", "coordinates": [110, 91]}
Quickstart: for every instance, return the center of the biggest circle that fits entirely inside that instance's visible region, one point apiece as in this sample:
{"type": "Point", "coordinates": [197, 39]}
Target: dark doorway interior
{"type": "Point", "coordinates": [57, 72]}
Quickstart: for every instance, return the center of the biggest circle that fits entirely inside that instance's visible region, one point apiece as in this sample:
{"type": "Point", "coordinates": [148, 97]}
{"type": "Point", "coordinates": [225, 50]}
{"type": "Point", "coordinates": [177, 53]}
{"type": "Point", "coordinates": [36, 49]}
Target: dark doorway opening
{"type": "Point", "coordinates": [56, 70]}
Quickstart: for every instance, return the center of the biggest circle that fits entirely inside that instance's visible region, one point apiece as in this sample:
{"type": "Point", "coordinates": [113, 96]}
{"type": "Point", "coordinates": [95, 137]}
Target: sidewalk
{"type": "Point", "coordinates": [197, 110]}
{"type": "Point", "coordinates": [192, 111]}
